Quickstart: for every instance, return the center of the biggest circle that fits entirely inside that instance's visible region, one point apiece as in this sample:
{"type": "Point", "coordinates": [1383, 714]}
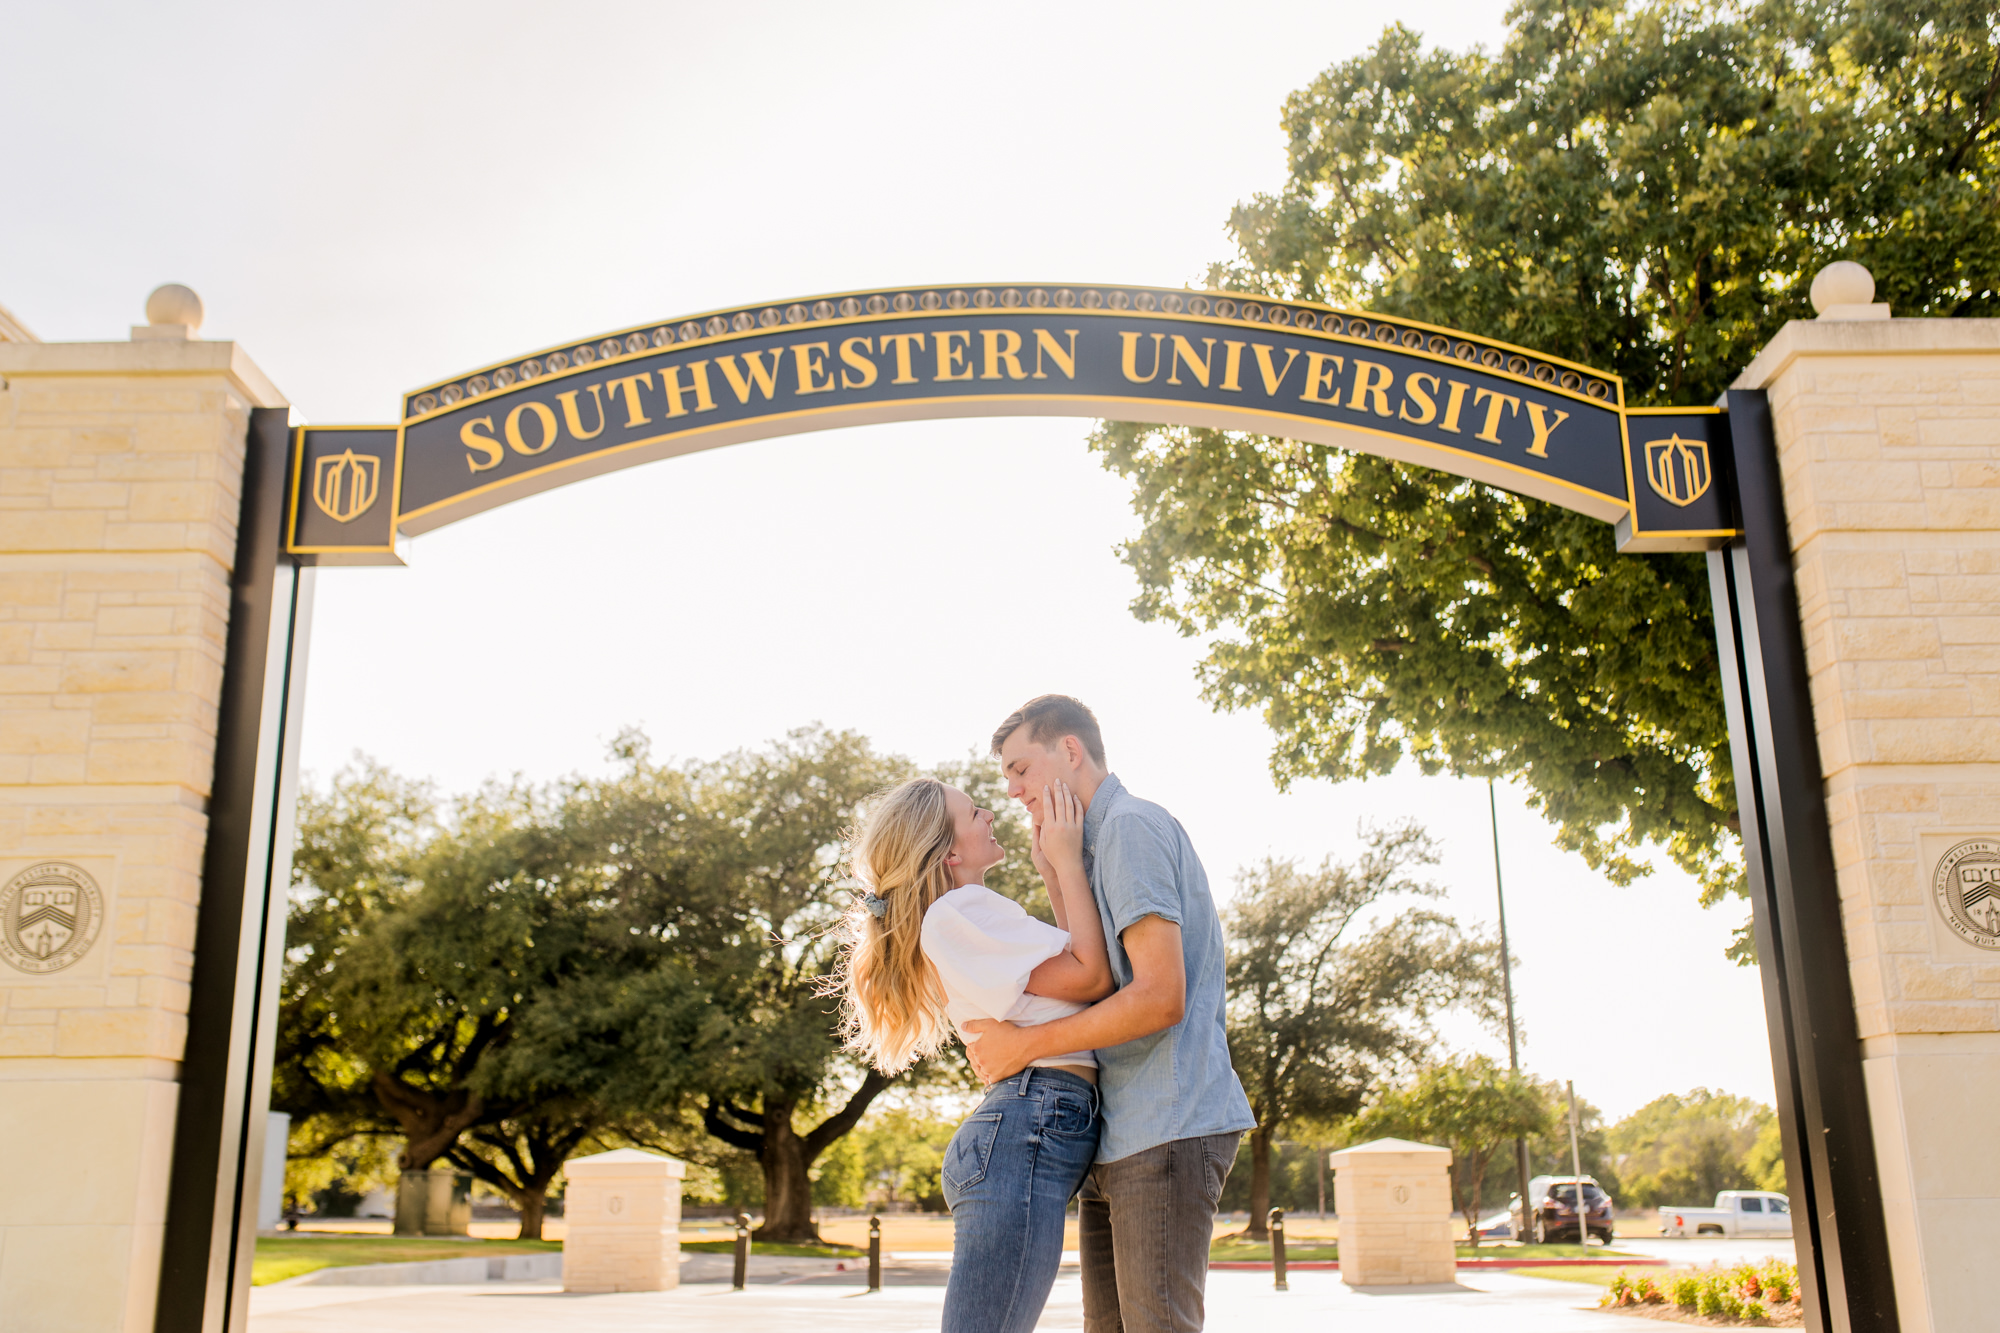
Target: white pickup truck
{"type": "Point", "coordinates": [1736, 1213]}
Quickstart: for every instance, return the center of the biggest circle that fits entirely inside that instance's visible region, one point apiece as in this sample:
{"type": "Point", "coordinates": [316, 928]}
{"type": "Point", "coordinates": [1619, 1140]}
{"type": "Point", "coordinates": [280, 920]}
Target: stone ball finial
{"type": "Point", "coordinates": [174, 304]}
{"type": "Point", "coordinates": [1842, 282]}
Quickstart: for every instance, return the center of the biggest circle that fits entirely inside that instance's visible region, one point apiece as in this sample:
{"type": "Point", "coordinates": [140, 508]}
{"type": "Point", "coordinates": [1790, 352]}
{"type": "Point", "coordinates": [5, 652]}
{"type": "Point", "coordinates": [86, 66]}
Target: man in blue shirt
{"type": "Point", "coordinates": [1173, 1108]}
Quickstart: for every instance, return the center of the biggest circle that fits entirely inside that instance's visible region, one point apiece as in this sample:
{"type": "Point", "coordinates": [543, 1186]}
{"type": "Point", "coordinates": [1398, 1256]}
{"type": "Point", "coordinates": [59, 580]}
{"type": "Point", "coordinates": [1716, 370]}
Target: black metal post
{"type": "Point", "coordinates": [1278, 1250]}
{"type": "Point", "coordinates": [874, 1254]}
{"type": "Point", "coordinates": [742, 1271]}
{"type": "Point", "coordinates": [1836, 1194]}
{"type": "Point", "coordinates": [240, 932]}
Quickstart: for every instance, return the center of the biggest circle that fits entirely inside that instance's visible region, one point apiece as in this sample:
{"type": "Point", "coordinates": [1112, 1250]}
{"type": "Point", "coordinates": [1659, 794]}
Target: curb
{"type": "Point", "coordinates": [496, 1268]}
{"type": "Point", "coordinates": [1637, 1261]}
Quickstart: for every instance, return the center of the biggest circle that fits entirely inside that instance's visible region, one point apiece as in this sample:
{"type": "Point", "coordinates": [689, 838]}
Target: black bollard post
{"type": "Point", "coordinates": [742, 1249]}
{"type": "Point", "coordinates": [874, 1254]}
{"type": "Point", "coordinates": [1278, 1250]}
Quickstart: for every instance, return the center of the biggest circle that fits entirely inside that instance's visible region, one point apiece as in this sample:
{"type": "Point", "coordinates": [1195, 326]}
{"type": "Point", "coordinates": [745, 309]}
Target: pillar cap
{"type": "Point", "coordinates": [1387, 1153]}
{"type": "Point", "coordinates": [1846, 290]}
{"type": "Point", "coordinates": [172, 311]}
{"type": "Point", "coordinates": [625, 1162]}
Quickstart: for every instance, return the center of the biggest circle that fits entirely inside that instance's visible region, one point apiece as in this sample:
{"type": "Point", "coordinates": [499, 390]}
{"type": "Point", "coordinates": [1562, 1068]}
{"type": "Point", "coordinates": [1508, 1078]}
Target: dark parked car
{"type": "Point", "coordinates": [1555, 1210]}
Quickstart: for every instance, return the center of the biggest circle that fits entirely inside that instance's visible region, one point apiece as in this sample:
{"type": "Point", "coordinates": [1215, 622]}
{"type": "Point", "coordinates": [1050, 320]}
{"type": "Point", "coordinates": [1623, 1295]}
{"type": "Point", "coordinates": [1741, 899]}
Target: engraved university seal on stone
{"type": "Point", "coordinates": [50, 915]}
{"type": "Point", "coordinates": [1966, 888]}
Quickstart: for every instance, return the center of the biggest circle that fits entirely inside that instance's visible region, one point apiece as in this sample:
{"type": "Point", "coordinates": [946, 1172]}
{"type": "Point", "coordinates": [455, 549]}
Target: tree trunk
{"type": "Point", "coordinates": [533, 1203]}
{"type": "Point", "coordinates": [1260, 1185]}
{"type": "Point", "coordinates": [430, 1124]}
{"type": "Point", "coordinates": [787, 1187]}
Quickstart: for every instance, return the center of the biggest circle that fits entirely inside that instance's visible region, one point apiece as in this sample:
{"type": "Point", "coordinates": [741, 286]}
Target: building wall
{"type": "Point", "coordinates": [1889, 444]}
{"type": "Point", "coordinates": [120, 468]}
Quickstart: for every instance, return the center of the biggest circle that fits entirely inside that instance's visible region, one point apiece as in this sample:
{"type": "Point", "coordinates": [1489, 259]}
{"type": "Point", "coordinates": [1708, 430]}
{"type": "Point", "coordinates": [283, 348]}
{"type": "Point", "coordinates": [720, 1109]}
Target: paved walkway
{"type": "Point", "coordinates": [910, 1302]}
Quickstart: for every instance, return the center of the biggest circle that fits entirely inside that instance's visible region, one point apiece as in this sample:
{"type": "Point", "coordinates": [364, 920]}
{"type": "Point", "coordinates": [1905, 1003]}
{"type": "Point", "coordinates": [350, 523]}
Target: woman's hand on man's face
{"type": "Point", "coordinates": [1059, 836]}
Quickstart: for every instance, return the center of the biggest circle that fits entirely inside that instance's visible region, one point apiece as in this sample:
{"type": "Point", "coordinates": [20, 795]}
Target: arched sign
{"type": "Point", "coordinates": [1517, 419]}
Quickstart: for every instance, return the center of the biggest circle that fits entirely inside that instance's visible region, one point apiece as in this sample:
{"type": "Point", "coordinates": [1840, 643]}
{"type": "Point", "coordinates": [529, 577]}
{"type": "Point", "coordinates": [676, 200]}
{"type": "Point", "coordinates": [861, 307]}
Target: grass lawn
{"type": "Point", "coordinates": [1243, 1251]}
{"type": "Point", "coordinates": [280, 1257]}
{"type": "Point", "coordinates": [784, 1251]}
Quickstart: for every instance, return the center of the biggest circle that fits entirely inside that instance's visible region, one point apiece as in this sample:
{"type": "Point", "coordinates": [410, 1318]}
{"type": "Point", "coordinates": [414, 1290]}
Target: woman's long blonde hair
{"type": "Point", "coordinates": [892, 1005]}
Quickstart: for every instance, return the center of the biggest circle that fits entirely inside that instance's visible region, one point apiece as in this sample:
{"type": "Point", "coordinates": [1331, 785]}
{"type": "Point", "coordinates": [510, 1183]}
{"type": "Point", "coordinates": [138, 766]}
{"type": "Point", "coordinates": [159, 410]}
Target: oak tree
{"type": "Point", "coordinates": [1646, 189]}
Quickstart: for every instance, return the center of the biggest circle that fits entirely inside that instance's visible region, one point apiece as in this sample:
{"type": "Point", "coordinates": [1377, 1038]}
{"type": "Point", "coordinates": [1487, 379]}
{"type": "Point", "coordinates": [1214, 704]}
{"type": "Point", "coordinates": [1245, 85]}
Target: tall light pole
{"type": "Point", "coordinates": [1507, 984]}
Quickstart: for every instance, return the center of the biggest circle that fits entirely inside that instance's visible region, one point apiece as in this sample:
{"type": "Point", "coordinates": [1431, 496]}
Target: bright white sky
{"type": "Point", "coordinates": [369, 196]}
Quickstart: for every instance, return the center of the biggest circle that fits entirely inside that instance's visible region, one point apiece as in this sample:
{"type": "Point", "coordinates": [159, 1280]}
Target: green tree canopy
{"type": "Point", "coordinates": [1685, 1149]}
{"type": "Point", "coordinates": [1317, 1015]}
{"type": "Point", "coordinates": [1644, 188]}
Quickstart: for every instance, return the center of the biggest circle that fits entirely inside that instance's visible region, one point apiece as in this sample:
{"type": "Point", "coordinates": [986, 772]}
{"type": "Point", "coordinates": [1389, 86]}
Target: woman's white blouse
{"type": "Point", "coordinates": [984, 946]}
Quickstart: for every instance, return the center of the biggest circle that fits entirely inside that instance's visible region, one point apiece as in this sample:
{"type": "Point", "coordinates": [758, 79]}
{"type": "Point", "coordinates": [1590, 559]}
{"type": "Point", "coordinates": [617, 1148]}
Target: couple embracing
{"type": "Point", "coordinates": [1100, 1039]}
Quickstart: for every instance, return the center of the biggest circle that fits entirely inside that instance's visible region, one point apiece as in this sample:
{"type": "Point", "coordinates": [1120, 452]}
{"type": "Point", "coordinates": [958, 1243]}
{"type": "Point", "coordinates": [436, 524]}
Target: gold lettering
{"type": "Point", "coordinates": [1273, 378]}
{"type": "Point", "coordinates": [1184, 356]}
{"type": "Point", "coordinates": [995, 354]}
{"type": "Point", "coordinates": [575, 418]}
{"type": "Point", "coordinates": [1422, 396]}
{"type": "Point", "coordinates": [635, 415]}
{"type": "Point", "coordinates": [949, 355]}
{"type": "Point", "coordinates": [485, 444]}
{"type": "Point", "coordinates": [902, 342]}
{"type": "Point", "coordinates": [1492, 432]}
{"type": "Point", "coordinates": [812, 368]}
{"type": "Point", "coordinates": [1065, 361]}
{"type": "Point", "coordinates": [1367, 386]}
{"type": "Point", "coordinates": [1538, 418]}
{"type": "Point", "coordinates": [543, 414]}
{"type": "Point", "coordinates": [854, 359]}
{"type": "Point", "coordinates": [1453, 407]}
{"type": "Point", "coordinates": [759, 377]}
{"type": "Point", "coordinates": [1232, 362]}
{"type": "Point", "coordinates": [670, 384]}
{"type": "Point", "coordinates": [1129, 359]}
{"type": "Point", "coordinates": [1319, 377]}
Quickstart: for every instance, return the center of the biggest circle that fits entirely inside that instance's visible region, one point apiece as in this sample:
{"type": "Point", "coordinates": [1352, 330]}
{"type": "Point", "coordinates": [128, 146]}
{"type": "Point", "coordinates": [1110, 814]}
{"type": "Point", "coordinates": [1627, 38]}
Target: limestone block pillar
{"type": "Point", "coordinates": [622, 1220]}
{"type": "Point", "coordinates": [1393, 1198]}
{"type": "Point", "coordinates": [120, 470]}
{"type": "Point", "coordinates": [434, 1202]}
{"type": "Point", "coordinates": [1888, 436]}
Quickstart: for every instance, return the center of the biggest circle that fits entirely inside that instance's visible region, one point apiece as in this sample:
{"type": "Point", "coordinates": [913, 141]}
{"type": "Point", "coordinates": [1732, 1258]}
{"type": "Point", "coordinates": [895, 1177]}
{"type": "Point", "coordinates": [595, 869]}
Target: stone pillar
{"type": "Point", "coordinates": [1888, 437]}
{"type": "Point", "coordinates": [120, 468]}
{"type": "Point", "coordinates": [622, 1220]}
{"type": "Point", "coordinates": [1393, 1198]}
{"type": "Point", "coordinates": [434, 1202]}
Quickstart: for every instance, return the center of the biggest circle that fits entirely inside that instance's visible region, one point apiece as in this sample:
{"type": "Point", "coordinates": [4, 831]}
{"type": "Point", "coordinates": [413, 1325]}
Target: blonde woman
{"type": "Point", "coordinates": [930, 947]}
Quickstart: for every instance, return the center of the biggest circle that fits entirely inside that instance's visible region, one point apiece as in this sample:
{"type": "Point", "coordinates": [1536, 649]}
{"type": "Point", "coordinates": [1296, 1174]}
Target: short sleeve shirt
{"type": "Point", "coordinates": [984, 948]}
{"type": "Point", "coordinates": [1177, 1083]}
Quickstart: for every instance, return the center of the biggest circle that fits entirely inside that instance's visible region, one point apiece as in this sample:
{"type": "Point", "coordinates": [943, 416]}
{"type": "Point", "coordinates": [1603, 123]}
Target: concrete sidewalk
{"type": "Point", "coordinates": [832, 1303]}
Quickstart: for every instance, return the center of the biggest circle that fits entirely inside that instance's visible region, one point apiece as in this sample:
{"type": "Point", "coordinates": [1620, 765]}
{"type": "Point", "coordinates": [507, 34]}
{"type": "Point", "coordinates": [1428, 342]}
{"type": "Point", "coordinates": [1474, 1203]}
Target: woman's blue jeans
{"type": "Point", "coordinates": [1009, 1175]}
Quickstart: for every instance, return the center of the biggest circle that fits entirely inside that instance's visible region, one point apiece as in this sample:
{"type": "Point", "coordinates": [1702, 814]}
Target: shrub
{"type": "Point", "coordinates": [1683, 1290]}
{"type": "Point", "coordinates": [1649, 1293]}
{"type": "Point", "coordinates": [1707, 1297]}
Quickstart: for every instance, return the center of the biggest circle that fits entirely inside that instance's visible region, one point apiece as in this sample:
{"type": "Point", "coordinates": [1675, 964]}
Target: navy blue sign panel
{"type": "Point", "coordinates": [344, 494]}
{"type": "Point", "coordinates": [1678, 503]}
{"type": "Point", "coordinates": [1517, 419]}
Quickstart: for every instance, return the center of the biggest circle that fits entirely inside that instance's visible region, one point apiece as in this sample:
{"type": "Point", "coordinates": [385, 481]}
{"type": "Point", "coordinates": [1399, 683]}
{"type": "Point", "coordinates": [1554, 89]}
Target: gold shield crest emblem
{"type": "Point", "coordinates": [1678, 469]}
{"type": "Point", "coordinates": [345, 485]}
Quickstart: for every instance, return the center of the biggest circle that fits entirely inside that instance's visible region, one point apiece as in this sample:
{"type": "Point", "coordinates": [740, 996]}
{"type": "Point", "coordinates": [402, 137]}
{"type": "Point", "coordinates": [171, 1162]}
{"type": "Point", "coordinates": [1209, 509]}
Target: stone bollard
{"type": "Point", "coordinates": [1393, 1199]}
{"type": "Point", "coordinates": [436, 1201]}
{"type": "Point", "coordinates": [623, 1214]}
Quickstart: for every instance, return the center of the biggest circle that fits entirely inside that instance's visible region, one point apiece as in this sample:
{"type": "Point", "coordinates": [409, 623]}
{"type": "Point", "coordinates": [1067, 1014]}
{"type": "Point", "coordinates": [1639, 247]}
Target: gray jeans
{"type": "Point", "coordinates": [1145, 1223]}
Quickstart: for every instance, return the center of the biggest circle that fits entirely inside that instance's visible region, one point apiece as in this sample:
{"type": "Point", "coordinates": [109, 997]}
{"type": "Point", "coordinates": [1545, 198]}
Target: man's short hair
{"type": "Point", "coordinates": [1049, 718]}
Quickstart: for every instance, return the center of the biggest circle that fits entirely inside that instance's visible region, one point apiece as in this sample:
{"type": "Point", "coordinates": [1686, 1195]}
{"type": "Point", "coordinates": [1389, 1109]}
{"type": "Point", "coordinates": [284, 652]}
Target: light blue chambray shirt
{"type": "Point", "coordinates": [1177, 1083]}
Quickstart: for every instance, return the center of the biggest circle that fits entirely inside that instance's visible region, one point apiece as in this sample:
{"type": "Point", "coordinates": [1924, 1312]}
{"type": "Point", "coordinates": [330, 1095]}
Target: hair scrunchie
{"type": "Point", "coordinates": [876, 906]}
